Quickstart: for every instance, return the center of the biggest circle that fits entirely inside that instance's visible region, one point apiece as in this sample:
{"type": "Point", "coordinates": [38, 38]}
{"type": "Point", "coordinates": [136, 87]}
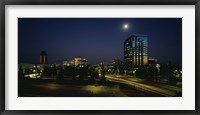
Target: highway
{"type": "Point", "coordinates": [160, 89]}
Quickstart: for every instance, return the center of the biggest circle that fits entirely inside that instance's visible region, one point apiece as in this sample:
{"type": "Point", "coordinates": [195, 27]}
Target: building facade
{"type": "Point", "coordinates": [80, 61]}
{"type": "Point", "coordinates": [152, 61]}
{"type": "Point", "coordinates": [43, 57]}
{"type": "Point", "coordinates": [136, 51]}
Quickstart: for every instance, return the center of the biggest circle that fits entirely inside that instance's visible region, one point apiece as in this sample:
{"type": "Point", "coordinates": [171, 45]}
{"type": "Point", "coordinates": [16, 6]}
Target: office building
{"type": "Point", "coordinates": [152, 61]}
{"type": "Point", "coordinates": [80, 61]}
{"type": "Point", "coordinates": [136, 51]}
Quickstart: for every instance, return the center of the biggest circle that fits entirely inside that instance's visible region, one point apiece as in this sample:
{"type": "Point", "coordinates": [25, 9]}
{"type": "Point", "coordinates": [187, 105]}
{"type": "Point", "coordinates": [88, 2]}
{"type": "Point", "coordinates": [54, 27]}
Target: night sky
{"type": "Point", "coordinates": [97, 39]}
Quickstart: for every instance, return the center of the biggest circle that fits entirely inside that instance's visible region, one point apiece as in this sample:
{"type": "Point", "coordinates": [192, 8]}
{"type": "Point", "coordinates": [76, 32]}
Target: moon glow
{"type": "Point", "coordinates": [125, 26]}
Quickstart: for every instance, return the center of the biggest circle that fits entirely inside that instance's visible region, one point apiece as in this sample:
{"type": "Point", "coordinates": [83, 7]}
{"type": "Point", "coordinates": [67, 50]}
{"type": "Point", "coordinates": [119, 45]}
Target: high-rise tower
{"type": "Point", "coordinates": [136, 51]}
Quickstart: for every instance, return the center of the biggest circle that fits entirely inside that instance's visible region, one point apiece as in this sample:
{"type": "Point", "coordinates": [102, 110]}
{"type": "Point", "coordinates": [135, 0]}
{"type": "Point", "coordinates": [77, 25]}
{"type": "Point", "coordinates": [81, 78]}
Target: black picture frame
{"type": "Point", "coordinates": [3, 3]}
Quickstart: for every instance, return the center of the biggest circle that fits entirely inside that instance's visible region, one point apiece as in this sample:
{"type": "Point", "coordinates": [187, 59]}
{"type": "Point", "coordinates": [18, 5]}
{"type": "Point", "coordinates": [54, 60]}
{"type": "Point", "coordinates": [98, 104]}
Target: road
{"type": "Point", "coordinates": [160, 89]}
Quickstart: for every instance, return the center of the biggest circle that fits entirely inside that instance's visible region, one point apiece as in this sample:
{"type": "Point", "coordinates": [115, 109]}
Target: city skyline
{"type": "Point", "coordinates": [97, 39]}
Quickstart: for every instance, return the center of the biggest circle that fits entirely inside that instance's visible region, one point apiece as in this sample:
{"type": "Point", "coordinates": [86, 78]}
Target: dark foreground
{"type": "Point", "coordinates": [85, 88]}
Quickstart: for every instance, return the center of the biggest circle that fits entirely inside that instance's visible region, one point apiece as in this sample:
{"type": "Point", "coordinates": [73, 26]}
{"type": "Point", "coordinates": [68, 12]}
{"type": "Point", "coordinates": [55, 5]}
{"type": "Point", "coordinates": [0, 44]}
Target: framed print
{"type": "Point", "coordinates": [100, 57]}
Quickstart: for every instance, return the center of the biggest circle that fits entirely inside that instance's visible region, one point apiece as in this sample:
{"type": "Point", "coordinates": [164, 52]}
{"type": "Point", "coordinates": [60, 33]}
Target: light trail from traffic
{"type": "Point", "coordinates": [143, 87]}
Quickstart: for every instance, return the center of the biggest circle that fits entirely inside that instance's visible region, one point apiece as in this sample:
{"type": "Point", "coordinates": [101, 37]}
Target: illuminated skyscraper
{"type": "Point", "coordinates": [43, 57]}
{"type": "Point", "coordinates": [136, 51]}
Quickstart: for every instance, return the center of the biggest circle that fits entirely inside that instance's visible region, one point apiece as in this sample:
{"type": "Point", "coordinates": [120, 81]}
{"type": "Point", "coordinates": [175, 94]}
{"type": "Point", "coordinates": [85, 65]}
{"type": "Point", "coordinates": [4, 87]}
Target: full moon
{"type": "Point", "coordinates": [125, 26]}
